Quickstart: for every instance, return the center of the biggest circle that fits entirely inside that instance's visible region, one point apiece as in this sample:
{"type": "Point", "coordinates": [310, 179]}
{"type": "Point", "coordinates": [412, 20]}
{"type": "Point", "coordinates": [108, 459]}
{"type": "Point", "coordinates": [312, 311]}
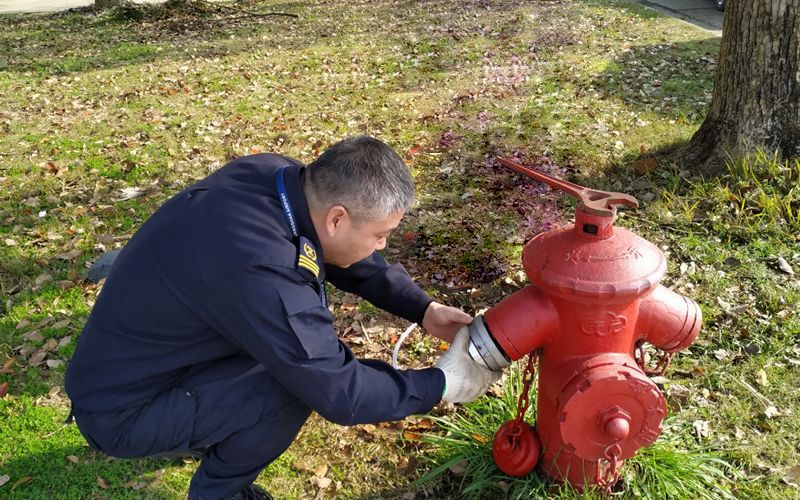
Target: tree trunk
{"type": "Point", "coordinates": [756, 100]}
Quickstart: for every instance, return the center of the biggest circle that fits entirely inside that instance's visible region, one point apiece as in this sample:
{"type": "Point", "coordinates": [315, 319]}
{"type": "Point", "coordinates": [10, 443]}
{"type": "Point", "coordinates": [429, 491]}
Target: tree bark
{"type": "Point", "coordinates": [756, 99]}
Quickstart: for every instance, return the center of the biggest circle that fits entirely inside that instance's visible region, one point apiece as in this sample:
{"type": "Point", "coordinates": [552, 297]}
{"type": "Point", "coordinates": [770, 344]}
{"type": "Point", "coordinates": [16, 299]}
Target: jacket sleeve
{"type": "Point", "coordinates": [388, 287]}
{"type": "Point", "coordinates": [279, 319]}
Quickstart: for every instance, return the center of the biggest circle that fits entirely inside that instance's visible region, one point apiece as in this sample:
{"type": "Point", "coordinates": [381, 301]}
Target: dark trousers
{"type": "Point", "coordinates": [234, 409]}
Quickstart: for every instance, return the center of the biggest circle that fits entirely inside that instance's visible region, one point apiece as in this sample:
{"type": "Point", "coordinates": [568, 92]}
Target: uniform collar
{"type": "Point", "coordinates": [294, 188]}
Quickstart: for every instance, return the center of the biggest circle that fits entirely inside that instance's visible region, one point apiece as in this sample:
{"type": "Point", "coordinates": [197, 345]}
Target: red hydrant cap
{"type": "Point", "coordinates": [585, 260]}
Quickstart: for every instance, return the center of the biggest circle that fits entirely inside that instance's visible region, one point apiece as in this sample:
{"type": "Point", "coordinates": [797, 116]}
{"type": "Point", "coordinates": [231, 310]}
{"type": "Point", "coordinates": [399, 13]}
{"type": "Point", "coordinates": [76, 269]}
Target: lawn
{"type": "Point", "coordinates": [105, 115]}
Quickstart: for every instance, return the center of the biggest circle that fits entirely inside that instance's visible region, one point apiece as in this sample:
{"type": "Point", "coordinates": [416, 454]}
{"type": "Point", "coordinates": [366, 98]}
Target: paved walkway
{"type": "Point", "coordinates": [701, 13]}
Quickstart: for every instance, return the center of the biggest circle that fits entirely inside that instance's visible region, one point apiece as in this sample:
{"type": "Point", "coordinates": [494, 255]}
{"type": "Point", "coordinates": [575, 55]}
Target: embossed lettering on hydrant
{"type": "Point", "coordinates": [605, 325]}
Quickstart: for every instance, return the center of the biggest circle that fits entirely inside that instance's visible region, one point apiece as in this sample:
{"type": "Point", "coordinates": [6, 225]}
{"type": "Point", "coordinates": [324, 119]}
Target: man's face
{"type": "Point", "coordinates": [350, 242]}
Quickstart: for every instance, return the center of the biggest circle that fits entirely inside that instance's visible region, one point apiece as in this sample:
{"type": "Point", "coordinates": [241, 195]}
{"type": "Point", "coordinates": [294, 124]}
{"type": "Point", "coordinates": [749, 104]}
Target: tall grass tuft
{"type": "Point", "coordinates": [765, 187]}
{"type": "Point", "coordinates": [661, 471]}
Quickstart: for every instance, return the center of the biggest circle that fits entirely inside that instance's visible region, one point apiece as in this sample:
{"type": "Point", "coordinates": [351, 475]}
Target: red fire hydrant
{"type": "Point", "coordinates": [594, 299]}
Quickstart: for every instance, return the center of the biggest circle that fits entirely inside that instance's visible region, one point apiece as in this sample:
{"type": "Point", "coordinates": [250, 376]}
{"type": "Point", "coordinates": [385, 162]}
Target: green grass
{"type": "Point", "coordinates": [92, 104]}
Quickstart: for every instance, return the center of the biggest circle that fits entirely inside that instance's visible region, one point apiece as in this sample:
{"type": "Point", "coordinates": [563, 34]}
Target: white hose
{"type": "Point", "coordinates": [399, 343]}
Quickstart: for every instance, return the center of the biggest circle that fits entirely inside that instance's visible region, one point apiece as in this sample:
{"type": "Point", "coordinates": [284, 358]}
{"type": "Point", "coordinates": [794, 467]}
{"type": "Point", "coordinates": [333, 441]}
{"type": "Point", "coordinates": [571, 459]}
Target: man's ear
{"type": "Point", "coordinates": [335, 219]}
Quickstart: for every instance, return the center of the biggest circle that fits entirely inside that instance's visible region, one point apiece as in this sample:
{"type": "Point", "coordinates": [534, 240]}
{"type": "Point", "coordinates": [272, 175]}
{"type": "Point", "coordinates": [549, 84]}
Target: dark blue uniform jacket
{"type": "Point", "coordinates": [215, 272]}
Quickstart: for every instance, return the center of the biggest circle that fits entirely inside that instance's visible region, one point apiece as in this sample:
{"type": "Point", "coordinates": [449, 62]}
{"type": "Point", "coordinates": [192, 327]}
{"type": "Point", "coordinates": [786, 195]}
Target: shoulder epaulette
{"type": "Point", "coordinates": [307, 257]}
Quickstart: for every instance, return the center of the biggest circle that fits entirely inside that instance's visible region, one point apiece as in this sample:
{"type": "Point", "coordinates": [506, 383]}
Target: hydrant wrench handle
{"type": "Point", "coordinates": [595, 202]}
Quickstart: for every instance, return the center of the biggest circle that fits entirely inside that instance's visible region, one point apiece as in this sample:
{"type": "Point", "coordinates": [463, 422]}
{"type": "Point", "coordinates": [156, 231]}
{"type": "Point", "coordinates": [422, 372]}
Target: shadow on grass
{"type": "Point", "coordinates": [672, 80]}
{"type": "Point", "coordinates": [669, 79]}
{"type": "Point", "coordinates": [80, 40]}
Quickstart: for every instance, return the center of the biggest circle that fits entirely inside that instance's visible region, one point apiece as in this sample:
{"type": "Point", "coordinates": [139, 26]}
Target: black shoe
{"type": "Point", "coordinates": [252, 492]}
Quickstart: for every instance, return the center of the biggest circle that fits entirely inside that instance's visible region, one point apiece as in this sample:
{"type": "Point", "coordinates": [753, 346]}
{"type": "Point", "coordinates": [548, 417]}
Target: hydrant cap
{"type": "Point", "coordinates": [570, 262]}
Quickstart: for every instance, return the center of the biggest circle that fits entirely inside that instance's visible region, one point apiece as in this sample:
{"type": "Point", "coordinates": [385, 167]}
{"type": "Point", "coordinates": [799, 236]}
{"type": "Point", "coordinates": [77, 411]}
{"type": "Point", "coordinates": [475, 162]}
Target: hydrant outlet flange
{"type": "Point", "coordinates": [483, 349]}
{"type": "Point", "coordinates": [610, 404]}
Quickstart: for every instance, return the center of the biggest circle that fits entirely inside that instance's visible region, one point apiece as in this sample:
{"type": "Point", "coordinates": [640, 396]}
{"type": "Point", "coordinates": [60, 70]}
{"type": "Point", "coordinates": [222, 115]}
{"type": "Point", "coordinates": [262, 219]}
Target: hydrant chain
{"type": "Point", "coordinates": [527, 380]}
{"type": "Point", "coordinates": [516, 447]}
{"type": "Point", "coordinates": [608, 478]}
{"type": "Point", "coordinates": [660, 368]}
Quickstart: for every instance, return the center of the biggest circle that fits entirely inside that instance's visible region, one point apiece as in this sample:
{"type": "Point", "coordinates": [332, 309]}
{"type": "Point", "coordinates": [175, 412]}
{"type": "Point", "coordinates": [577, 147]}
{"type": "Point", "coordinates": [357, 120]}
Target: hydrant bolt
{"type": "Point", "coordinates": [618, 428]}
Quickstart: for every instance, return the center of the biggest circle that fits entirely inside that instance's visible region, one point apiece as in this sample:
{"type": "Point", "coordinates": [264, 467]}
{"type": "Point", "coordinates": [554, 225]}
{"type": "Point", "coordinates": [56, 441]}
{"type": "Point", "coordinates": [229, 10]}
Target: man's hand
{"type": "Point", "coordinates": [443, 321]}
{"type": "Point", "coordinates": [465, 379]}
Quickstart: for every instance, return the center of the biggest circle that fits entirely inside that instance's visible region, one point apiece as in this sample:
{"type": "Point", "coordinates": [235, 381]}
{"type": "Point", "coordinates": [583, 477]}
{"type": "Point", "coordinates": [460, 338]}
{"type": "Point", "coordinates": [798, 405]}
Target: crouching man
{"type": "Point", "coordinates": [212, 331]}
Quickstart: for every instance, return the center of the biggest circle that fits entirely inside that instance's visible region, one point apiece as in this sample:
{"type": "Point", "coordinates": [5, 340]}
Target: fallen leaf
{"type": "Point", "coordinates": [21, 481]}
{"type": "Point", "coordinates": [64, 341]}
{"type": "Point", "coordinates": [792, 476]}
{"type": "Point", "coordinates": [678, 395]}
{"type": "Point", "coordinates": [411, 435]}
{"type": "Point", "coordinates": [320, 482]}
{"type": "Point", "coordinates": [481, 438]}
{"type": "Point", "coordinates": [42, 279]}
{"type": "Point", "coordinates": [73, 459]}
{"type": "Point", "coordinates": [4, 479]}
{"type": "Point", "coordinates": [65, 284]}
{"type": "Point", "coordinates": [784, 266]}
{"type": "Point", "coordinates": [61, 324]}
{"type": "Point", "coordinates": [752, 349]}
{"type": "Point", "coordinates": [701, 428]}
{"type": "Point", "coordinates": [54, 391]}
{"type": "Point", "coordinates": [413, 150]}
{"type": "Point", "coordinates": [407, 465]}
{"type": "Point", "coordinates": [50, 167]}
{"type": "Point", "coordinates": [33, 336]}
{"type": "Point", "coordinates": [321, 470]}
{"type": "Point", "coordinates": [135, 485]}
{"type": "Point", "coordinates": [22, 324]}
{"type": "Point", "coordinates": [771, 412]}
{"type": "Point", "coordinates": [424, 424]}
{"type": "Point", "coordinates": [720, 354]}
{"type": "Point", "coordinates": [3, 389]}
{"type": "Point", "coordinates": [44, 322]}
{"type": "Point", "coordinates": [7, 367]}
{"type": "Point", "coordinates": [37, 357]}
{"type": "Point", "coordinates": [130, 193]}
{"type": "Point", "coordinates": [761, 378]}
{"type": "Point", "coordinates": [645, 165]}
{"type": "Point", "coordinates": [102, 483]}
{"type": "Point", "coordinates": [459, 468]}
{"type": "Point", "coordinates": [302, 467]}
{"type": "Point", "coordinates": [71, 255]}
{"type": "Point", "coordinates": [26, 350]}
{"type": "Point", "coordinates": [50, 345]}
